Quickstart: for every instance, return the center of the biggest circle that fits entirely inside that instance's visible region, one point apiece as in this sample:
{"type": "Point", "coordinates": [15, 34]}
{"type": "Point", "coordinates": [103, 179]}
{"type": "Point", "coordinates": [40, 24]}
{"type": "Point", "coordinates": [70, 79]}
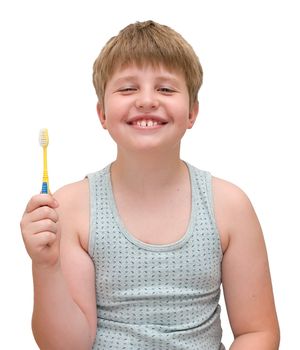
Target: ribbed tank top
{"type": "Point", "coordinates": [152, 297]}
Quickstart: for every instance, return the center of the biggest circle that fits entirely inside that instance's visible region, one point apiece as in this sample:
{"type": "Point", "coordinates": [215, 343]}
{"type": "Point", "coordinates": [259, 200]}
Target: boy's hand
{"type": "Point", "coordinates": [39, 226]}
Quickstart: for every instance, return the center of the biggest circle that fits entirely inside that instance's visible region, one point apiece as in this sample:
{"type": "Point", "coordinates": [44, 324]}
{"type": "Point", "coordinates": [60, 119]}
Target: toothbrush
{"type": "Point", "coordinates": [44, 141]}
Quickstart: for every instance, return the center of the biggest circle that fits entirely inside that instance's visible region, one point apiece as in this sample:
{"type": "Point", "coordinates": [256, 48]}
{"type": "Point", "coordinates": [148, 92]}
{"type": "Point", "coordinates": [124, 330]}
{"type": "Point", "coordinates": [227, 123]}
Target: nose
{"type": "Point", "coordinates": [146, 100]}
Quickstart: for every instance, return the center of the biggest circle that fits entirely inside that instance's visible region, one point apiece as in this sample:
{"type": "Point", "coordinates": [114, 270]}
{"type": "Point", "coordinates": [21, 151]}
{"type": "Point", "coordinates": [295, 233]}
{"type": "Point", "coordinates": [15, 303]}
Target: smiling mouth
{"type": "Point", "coordinates": [147, 123]}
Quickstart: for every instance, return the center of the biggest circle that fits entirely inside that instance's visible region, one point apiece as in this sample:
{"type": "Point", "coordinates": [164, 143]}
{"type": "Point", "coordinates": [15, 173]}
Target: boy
{"type": "Point", "coordinates": [133, 256]}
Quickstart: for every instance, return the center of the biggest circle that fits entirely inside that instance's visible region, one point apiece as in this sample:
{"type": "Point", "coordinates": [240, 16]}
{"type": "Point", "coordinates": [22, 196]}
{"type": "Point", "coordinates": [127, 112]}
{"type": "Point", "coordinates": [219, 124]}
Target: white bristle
{"type": "Point", "coordinates": [44, 138]}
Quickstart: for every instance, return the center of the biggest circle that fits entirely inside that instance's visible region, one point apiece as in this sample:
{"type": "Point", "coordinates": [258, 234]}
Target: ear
{"type": "Point", "coordinates": [101, 115]}
{"type": "Point", "coordinates": [193, 114]}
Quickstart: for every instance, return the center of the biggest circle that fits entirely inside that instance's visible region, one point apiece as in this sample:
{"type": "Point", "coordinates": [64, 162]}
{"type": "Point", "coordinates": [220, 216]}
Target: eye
{"type": "Point", "coordinates": [166, 90]}
{"type": "Point", "coordinates": [127, 90]}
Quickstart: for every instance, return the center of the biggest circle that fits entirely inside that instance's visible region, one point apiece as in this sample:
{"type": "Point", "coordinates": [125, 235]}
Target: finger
{"type": "Point", "coordinates": [42, 213]}
{"type": "Point", "coordinates": [40, 200]}
{"type": "Point", "coordinates": [44, 239]}
{"type": "Point", "coordinates": [41, 226]}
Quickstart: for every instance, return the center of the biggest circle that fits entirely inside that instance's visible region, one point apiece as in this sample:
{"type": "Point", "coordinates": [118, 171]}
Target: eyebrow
{"type": "Point", "coordinates": [125, 78]}
{"type": "Point", "coordinates": [160, 78]}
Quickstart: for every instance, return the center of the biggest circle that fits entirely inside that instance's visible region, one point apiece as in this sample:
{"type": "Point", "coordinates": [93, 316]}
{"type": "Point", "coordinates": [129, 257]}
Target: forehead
{"type": "Point", "coordinates": [159, 71]}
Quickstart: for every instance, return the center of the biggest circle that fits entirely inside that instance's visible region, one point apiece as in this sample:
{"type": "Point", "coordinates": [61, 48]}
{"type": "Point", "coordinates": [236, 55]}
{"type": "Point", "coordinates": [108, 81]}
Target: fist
{"type": "Point", "coordinates": [39, 227]}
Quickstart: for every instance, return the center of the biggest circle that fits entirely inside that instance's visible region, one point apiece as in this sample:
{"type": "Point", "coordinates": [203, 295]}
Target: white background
{"type": "Point", "coordinates": [247, 131]}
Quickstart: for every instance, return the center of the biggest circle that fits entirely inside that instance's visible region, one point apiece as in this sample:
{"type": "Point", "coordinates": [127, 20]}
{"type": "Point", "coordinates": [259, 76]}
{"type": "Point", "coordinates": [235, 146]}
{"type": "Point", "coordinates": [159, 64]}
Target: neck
{"type": "Point", "coordinates": [147, 173]}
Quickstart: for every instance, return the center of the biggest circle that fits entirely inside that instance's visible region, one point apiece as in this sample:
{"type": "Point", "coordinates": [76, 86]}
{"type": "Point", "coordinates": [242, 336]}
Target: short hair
{"type": "Point", "coordinates": [152, 43]}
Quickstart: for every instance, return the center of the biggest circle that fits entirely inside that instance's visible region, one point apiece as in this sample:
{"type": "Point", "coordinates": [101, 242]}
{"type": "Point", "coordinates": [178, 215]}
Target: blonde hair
{"type": "Point", "coordinates": [152, 43]}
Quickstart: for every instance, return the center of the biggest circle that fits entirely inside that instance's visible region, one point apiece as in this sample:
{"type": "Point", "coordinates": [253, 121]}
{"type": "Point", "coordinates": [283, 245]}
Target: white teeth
{"type": "Point", "coordinates": [146, 123]}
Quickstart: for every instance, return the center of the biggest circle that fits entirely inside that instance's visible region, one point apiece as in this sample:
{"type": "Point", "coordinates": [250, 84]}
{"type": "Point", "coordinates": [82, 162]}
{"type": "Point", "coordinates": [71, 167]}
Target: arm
{"type": "Point", "coordinates": [64, 315]}
{"type": "Point", "coordinates": [245, 271]}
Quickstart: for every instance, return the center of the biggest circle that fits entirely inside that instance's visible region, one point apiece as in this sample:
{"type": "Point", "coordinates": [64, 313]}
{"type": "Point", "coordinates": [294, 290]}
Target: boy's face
{"type": "Point", "coordinates": [147, 108]}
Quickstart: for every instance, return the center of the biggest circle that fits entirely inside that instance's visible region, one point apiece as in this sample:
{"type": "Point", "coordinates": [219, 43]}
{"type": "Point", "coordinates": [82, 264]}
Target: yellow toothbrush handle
{"type": "Point", "coordinates": [45, 185]}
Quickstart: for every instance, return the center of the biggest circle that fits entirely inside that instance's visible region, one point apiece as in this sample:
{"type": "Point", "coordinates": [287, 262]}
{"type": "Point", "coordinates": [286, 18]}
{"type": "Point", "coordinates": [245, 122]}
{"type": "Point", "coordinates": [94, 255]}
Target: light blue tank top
{"type": "Point", "coordinates": [152, 297]}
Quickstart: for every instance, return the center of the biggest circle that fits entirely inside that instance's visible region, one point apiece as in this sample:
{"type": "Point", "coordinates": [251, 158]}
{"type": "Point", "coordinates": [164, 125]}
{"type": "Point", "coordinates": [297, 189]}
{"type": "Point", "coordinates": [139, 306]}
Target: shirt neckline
{"type": "Point", "coordinates": [153, 247]}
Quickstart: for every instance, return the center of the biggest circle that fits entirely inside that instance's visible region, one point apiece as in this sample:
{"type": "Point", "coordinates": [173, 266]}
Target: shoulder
{"type": "Point", "coordinates": [73, 210]}
{"type": "Point", "coordinates": [233, 209]}
{"type": "Point", "coordinates": [229, 194]}
{"type": "Point", "coordinates": [68, 193]}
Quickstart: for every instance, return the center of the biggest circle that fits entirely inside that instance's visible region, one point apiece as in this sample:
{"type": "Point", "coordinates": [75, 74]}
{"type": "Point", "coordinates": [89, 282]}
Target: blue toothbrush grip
{"type": "Point", "coordinates": [44, 187]}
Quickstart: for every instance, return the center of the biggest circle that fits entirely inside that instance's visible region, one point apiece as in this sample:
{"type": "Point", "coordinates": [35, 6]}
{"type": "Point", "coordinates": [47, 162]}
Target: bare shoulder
{"type": "Point", "coordinates": [232, 207]}
{"type": "Point", "coordinates": [229, 192]}
{"type": "Point", "coordinates": [73, 210]}
{"type": "Point", "coordinates": [71, 194]}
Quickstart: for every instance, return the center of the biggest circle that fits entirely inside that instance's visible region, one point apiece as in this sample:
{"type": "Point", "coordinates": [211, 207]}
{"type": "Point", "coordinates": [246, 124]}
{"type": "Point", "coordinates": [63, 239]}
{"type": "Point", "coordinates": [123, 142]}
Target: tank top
{"type": "Point", "coordinates": [152, 297]}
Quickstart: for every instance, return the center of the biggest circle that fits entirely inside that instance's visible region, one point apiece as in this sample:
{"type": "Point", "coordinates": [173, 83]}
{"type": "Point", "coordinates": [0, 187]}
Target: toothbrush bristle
{"type": "Point", "coordinates": [44, 138]}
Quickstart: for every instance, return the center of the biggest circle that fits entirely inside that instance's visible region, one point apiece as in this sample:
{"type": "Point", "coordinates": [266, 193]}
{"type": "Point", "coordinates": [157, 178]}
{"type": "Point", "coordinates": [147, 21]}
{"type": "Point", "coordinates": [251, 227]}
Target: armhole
{"type": "Point", "coordinates": [211, 210]}
{"type": "Point", "coordinates": [92, 211]}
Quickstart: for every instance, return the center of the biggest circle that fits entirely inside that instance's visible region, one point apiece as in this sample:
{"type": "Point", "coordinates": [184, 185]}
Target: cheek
{"type": "Point", "coordinates": [114, 107]}
{"type": "Point", "coordinates": [183, 105]}
{"type": "Point", "coordinates": [183, 113]}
